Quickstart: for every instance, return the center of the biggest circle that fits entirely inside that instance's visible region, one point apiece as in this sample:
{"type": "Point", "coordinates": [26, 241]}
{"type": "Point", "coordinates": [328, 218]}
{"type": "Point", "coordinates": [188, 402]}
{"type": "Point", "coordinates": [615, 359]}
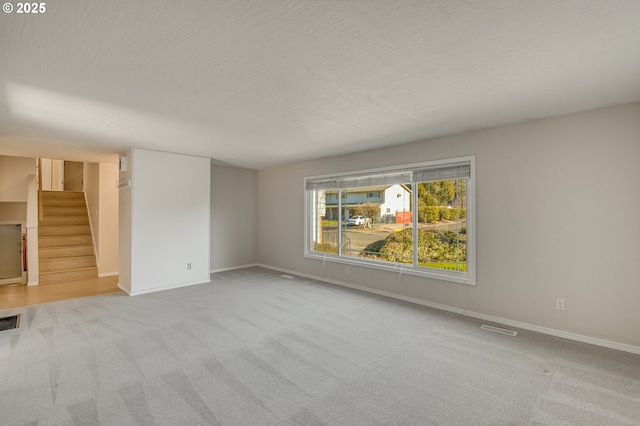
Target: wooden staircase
{"type": "Point", "coordinates": [65, 249]}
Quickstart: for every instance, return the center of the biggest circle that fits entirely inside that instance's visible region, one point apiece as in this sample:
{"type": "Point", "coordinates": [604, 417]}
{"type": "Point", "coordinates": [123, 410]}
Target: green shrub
{"type": "Point", "coordinates": [433, 247]}
{"type": "Point", "coordinates": [375, 247]}
{"type": "Point", "coordinates": [428, 214]}
{"type": "Point", "coordinates": [450, 214]}
{"type": "Point", "coordinates": [398, 247]}
{"type": "Point", "coordinates": [432, 214]}
{"type": "Point", "coordinates": [422, 214]}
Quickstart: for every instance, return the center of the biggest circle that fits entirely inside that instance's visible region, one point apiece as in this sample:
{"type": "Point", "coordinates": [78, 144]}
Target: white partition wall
{"type": "Point", "coordinates": [164, 221]}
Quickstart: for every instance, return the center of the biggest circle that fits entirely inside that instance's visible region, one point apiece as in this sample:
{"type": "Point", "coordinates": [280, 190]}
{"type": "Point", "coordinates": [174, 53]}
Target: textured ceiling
{"type": "Point", "coordinates": [260, 83]}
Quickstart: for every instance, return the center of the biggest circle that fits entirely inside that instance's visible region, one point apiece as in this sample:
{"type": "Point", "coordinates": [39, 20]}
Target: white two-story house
{"type": "Point", "coordinates": [390, 198]}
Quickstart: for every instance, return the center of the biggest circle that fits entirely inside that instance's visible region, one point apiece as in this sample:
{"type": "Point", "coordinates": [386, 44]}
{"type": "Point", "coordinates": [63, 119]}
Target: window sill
{"type": "Point", "coordinates": [397, 268]}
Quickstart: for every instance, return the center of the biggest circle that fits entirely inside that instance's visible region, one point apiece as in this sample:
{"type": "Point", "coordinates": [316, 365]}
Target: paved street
{"type": "Point", "coordinates": [361, 237]}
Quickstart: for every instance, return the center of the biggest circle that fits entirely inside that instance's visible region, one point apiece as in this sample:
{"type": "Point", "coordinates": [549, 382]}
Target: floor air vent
{"type": "Point", "coordinates": [9, 323]}
{"type": "Point", "coordinates": [498, 330]}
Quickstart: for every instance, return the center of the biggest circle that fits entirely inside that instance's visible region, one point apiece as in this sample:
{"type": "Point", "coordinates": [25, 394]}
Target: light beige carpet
{"type": "Point", "coordinates": [253, 348]}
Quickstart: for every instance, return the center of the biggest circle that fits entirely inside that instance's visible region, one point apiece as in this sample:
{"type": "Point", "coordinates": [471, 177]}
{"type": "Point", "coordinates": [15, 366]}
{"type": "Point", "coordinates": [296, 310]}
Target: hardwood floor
{"type": "Point", "coordinates": [19, 295]}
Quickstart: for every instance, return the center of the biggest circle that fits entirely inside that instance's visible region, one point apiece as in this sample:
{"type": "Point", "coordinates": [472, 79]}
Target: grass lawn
{"type": "Point", "coordinates": [450, 266]}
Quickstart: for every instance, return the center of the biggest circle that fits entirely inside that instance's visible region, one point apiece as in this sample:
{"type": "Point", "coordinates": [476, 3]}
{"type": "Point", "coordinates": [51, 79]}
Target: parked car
{"type": "Point", "coordinates": [358, 220]}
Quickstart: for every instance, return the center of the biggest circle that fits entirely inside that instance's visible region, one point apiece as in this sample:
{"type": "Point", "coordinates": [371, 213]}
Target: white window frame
{"type": "Point", "coordinates": [468, 277]}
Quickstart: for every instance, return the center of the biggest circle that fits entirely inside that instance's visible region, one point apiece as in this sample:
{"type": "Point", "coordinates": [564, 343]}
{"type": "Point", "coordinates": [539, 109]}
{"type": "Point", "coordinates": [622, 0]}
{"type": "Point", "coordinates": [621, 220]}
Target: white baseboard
{"type": "Point", "coordinates": [17, 280]}
{"type": "Point", "coordinates": [153, 290]}
{"type": "Point", "coordinates": [125, 289]}
{"type": "Point", "coordinates": [231, 268]}
{"type": "Point", "coordinates": [504, 321]}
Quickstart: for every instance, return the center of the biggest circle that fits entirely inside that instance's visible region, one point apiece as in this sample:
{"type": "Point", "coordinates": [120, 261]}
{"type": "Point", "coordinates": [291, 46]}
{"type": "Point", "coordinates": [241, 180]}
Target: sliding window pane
{"type": "Point", "coordinates": [324, 222]}
{"type": "Point", "coordinates": [442, 239]}
{"type": "Point", "coordinates": [377, 222]}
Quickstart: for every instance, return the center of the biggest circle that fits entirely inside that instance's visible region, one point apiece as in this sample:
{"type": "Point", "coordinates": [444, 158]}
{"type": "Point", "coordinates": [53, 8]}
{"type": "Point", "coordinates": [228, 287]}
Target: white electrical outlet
{"type": "Point", "coordinates": [188, 266]}
{"type": "Point", "coordinates": [560, 304]}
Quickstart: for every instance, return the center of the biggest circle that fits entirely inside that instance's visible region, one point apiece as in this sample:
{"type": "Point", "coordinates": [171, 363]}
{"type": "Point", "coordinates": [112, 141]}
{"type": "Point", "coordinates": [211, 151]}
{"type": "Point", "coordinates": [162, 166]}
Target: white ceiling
{"type": "Point", "coordinates": [260, 83]}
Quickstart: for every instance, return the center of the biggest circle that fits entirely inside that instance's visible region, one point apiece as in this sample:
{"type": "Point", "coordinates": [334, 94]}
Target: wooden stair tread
{"type": "Point", "coordinates": [77, 225]}
{"type": "Point", "coordinates": [65, 245]}
{"type": "Point", "coordinates": [67, 263]}
{"type": "Point", "coordinates": [70, 275]}
{"type": "Point", "coordinates": [84, 225]}
{"type": "Point", "coordinates": [64, 252]}
{"type": "Point", "coordinates": [64, 240]}
{"type": "Point", "coordinates": [65, 221]}
{"type": "Point", "coordinates": [56, 237]}
{"type": "Point", "coordinates": [77, 257]}
{"type": "Point", "coordinates": [64, 210]}
{"type": "Point", "coordinates": [60, 230]}
{"type": "Point", "coordinates": [62, 194]}
{"type": "Point", "coordinates": [81, 268]}
{"type": "Point", "coordinates": [62, 202]}
{"type": "Point", "coordinates": [60, 247]}
{"type": "Point", "coordinates": [87, 268]}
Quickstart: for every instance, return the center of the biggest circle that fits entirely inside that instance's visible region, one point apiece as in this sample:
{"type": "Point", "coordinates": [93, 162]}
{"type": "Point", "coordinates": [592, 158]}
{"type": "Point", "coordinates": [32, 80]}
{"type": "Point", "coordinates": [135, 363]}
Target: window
{"type": "Point", "coordinates": [416, 219]}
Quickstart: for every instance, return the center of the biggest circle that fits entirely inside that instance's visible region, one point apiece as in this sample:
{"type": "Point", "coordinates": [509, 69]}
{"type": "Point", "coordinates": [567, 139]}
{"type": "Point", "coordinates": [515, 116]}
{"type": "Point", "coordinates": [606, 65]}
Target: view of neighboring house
{"type": "Point", "coordinates": [390, 198]}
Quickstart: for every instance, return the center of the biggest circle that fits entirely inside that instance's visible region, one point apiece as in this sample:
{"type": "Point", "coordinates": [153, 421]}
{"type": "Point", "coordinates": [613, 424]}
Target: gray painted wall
{"type": "Point", "coordinates": [233, 217]}
{"type": "Point", "coordinates": [557, 217]}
